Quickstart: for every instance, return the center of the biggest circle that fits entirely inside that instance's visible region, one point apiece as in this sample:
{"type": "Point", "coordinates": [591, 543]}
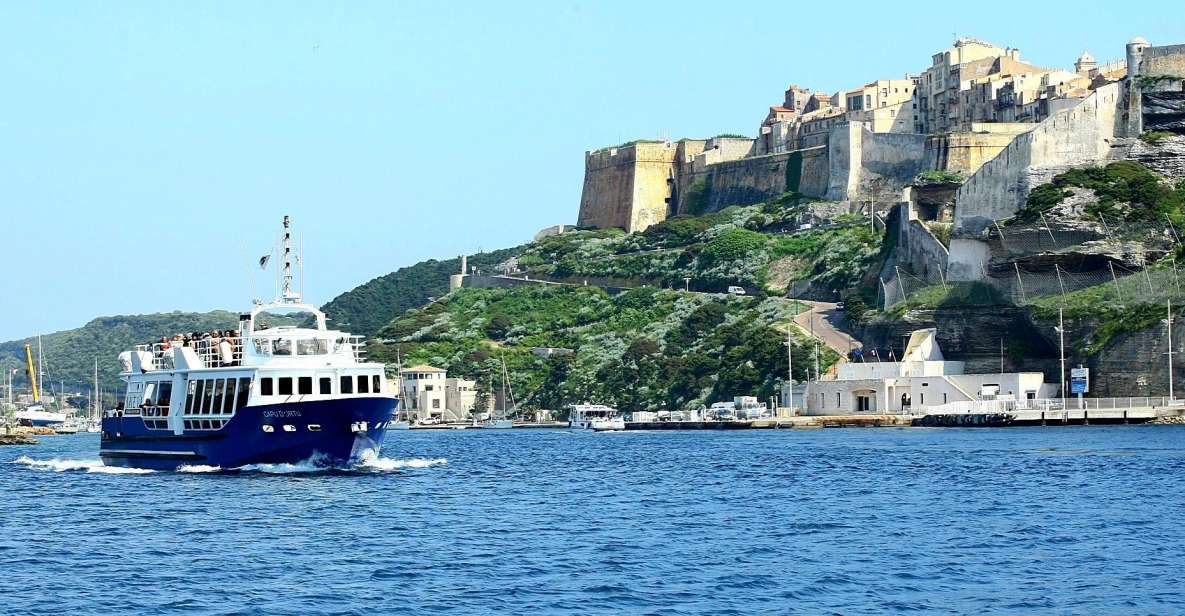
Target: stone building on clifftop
{"type": "Point", "coordinates": [862, 145]}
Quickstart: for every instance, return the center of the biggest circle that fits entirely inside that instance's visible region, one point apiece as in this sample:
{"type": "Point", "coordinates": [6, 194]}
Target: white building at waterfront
{"type": "Point", "coordinates": [923, 379]}
{"type": "Point", "coordinates": [427, 392]}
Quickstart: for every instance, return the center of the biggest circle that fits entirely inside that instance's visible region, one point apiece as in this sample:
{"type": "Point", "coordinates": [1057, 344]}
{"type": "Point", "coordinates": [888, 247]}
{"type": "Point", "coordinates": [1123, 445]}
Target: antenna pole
{"type": "Point", "coordinates": [286, 293]}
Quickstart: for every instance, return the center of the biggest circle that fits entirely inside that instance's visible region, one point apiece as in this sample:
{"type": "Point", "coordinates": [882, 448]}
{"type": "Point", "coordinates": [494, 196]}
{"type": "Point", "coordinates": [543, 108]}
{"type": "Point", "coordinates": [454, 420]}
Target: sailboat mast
{"type": "Point", "coordinates": [40, 363]}
{"type": "Point", "coordinates": [95, 400]}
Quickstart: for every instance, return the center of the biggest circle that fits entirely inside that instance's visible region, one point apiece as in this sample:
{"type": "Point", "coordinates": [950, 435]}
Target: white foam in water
{"type": "Point", "coordinates": [388, 464]}
{"type": "Point", "coordinates": [91, 466]}
{"type": "Point", "coordinates": [198, 468]}
{"type": "Point", "coordinates": [307, 466]}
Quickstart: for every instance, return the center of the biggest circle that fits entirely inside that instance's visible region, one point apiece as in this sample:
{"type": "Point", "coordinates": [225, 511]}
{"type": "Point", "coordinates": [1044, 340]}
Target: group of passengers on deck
{"type": "Point", "coordinates": [216, 348]}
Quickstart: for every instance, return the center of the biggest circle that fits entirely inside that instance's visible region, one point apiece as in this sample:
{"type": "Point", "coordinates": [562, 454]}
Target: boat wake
{"type": "Point", "coordinates": [198, 468]}
{"type": "Point", "coordinates": [59, 465]}
{"type": "Point", "coordinates": [366, 464]}
{"type": "Point", "coordinates": [388, 464]}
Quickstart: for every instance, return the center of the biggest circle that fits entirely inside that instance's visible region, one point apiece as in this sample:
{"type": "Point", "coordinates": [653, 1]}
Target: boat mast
{"type": "Point", "coordinates": [286, 293]}
{"type": "Point", "coordinates": [41, 364]}
{"type": "Point", "coordinates": [32, 373]}
{"type": "Point", "coordinates": [504, 398]}
{"type": "Point", "coordinates": [95, 401]}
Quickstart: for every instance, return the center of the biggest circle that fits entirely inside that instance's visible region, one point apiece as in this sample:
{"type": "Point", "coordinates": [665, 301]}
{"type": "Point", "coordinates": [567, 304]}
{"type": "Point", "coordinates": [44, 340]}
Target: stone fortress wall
{"type": "Point", "coordinates": [1101, 128]}
{"type": "Point", "coordinates": [636, 185]}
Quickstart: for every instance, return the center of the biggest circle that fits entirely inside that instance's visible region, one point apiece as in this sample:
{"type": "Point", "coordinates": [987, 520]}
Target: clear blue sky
{"type": "Point", "coordinates": [145, 148]}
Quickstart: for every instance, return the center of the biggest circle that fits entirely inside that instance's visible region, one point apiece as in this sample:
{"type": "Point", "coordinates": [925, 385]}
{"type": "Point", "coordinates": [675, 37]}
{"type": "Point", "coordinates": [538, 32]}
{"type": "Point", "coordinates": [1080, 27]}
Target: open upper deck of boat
{"type": "Point", "coordinates": [297, 336]}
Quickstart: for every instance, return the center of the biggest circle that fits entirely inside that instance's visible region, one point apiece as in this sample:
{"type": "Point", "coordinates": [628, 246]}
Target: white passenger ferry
{"type": "Point", "coordinates": [595, 417]}
{"type": "Point", "coordinates": [287, 391]}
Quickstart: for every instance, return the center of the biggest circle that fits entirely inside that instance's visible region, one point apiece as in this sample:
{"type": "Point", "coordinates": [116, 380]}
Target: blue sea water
{"type": "Point", "coordinates": [1071, 520]}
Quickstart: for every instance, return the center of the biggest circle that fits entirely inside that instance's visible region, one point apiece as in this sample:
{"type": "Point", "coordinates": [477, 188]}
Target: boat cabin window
{"type": "Point", "coordinates": [326, 385]}
{"type": "Point", "coordinates": [164, 393]}
{"type": "Point", "coordinates": [208, 397]}
{"type": "Point", "coordinates": [265, 386]}
{"type": "Point", "coordinates": [304, 385]}
{"type": "Point", "coordinates": [216, 396]}
{"type": "Point", "coordinates": [219, 387]}
{"type": "Point", "coordinates": [282, 346]}
{"type": "Point", "coordinates": [312, 346]}
{"type": "Point", "coordinates": [347, 385]}
{"type": "Point", "coordinates": [285, 385]}
{"type": "Point", "coordinates": [363, 384]}
{"type": "Point", "coordinates": [244, 392]}
{"type": "Point", "coordinates": [376, 384]}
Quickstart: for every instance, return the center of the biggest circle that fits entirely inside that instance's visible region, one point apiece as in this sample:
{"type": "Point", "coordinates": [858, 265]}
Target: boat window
{"type": "Point", "coordinates": [363, 384]}
{"type": "Point", "coordinates": [262, 346]}
{"type": "Point", "coordinates": [322, 346]}
{"type": "Point", "coordinates": [304, 385]}
{"type": "Point", "coordinates": [376, 383]}
{"type": "Point", "coordinates": [326, 385]}
{"type": "Point", "coordinates": [230, 397]}
{"type": "Point", "coordinates": [164, 393]}
{"type": "Point", "coordinates": [205, 424]}
{"type": "Point", "coordinates": [197, 398]}
{"type": "Point", "coordinates": [244, 391]}
{"type": "Point", "coordinates": [208, 398]}
{"type": "Point", "coordinates": [265, 386]}
{"type": "Point", "coordinates": [189, 396]}
{"type": "Point", "coordinates": [347, 384]}
{"type": "Point", "coordinates": [149, 390]}
{"type": "Point", "coordinates": [219, 386]}
{"type": "Point", "coordinates": [285, 386]}
{"type": "Point", "coordinates": [282, 346]}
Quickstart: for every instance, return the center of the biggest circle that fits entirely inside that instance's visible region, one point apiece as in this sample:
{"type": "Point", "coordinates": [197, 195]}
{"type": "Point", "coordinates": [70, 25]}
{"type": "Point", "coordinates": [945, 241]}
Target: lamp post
{"type": "Point", "coordinates": [790, 367]}
{"type": "Point", "coordinates": [1169, 321]}
{"type": "Point", "coordinates": [1061, 338]}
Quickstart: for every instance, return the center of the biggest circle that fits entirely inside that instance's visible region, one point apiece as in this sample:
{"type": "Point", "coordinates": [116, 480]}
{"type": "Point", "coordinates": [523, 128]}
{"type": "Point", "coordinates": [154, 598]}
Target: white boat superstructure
{"type": "Point", "coordinates": [596, 417]}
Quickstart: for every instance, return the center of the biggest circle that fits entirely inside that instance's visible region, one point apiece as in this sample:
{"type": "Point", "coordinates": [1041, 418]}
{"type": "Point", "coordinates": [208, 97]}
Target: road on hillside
{"type": "Point", "coordinates": [822, 320]}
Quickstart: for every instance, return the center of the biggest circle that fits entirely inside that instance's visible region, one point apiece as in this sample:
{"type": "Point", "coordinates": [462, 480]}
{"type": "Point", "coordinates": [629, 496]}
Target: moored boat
{"type": "Point", "coordinates": [596, 417]}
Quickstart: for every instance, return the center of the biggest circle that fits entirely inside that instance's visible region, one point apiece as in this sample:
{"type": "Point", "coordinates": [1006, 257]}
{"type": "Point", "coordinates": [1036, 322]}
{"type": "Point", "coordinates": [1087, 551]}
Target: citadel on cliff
{"type": "Point", "coordinates": [979, 113]}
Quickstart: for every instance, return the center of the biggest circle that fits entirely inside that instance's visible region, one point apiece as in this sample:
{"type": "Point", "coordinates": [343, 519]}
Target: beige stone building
{"type": "Point", "coordinates": [427, 392]}
{"type": "Point", "coordinates": [887, 105]}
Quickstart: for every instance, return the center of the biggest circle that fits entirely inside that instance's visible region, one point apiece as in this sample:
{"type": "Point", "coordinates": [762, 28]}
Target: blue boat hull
{"type": "Point", "coordinates": [348, 429]}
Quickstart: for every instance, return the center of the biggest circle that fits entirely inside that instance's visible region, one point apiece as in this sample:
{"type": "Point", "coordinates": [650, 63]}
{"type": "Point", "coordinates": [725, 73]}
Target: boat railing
{"type": "Point", "coordinates": [1051, 405]}
{"type": "Point", "coordinates": [358, 347]}
{"type": "Point", "coordinates": [209, 352]}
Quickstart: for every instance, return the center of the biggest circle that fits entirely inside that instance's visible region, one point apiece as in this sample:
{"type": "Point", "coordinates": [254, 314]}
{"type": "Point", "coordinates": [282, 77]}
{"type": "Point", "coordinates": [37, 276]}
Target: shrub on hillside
{"type": "Point", "coordinates": [732, 245]}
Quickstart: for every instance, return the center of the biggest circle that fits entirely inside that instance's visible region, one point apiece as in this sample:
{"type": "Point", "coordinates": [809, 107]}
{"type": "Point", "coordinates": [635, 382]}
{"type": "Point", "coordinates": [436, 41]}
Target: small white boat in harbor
{"type": "Point", "coordinates": [37, 416]}
{"type": "Point", "coordinates": [596, 417]}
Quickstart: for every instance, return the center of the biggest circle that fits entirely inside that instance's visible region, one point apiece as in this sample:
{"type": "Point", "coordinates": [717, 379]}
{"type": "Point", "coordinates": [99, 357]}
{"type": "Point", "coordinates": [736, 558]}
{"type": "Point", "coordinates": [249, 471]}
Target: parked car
{"type": "Point", "coordinates": [736, 290]}
{"type": "Point", "coordinates": [839, 306]}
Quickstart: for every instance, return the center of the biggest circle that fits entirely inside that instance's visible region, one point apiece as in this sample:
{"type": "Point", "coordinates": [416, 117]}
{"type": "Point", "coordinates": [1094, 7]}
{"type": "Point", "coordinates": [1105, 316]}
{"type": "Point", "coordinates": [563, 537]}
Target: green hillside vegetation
{"type": "Point", "coordinates": [754, 246]}
{"type": "Point", "coordinates": [1124, 190]}
{"type": "Point", "coordinates": [70, 354]}
{"type": "Point", "coordinates": [368, 307]}
{"type": "Point", "coordinates": [643, 349]}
